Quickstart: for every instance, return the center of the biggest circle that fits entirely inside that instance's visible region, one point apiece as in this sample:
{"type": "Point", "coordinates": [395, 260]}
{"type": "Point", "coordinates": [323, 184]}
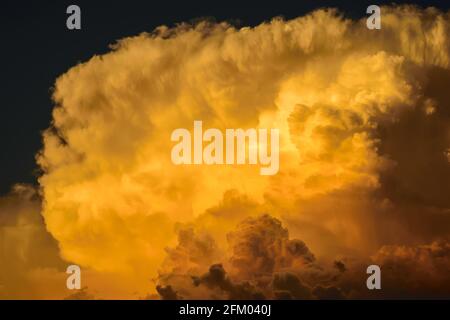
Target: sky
{"type": "Point", "coordinates": [87, 179]}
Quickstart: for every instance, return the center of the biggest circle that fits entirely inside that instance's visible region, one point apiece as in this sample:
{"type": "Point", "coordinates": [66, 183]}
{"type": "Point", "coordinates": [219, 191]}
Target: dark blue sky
{"type": "Point", "coordinates": [37, 47]}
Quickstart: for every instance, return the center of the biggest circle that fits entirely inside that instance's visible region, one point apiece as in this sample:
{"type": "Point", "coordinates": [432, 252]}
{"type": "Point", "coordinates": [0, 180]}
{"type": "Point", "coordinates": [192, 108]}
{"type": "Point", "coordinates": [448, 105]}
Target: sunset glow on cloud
{"type": "Point", "coordinates": [364, 172]}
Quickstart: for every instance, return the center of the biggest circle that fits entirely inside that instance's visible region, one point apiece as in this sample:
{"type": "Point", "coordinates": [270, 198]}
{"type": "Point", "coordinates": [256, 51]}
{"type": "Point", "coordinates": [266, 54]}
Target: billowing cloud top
{"type": "Point", "coordinates": [364, 155]}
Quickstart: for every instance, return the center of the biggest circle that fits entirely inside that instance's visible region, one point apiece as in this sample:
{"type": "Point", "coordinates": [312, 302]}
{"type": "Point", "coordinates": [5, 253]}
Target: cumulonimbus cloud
{"type": "Point", "coordinates": [364, 138]}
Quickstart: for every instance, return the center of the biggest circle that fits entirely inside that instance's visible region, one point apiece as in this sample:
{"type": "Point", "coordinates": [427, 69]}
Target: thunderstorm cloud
{"type": "Point", "coordinates": [364, 120]}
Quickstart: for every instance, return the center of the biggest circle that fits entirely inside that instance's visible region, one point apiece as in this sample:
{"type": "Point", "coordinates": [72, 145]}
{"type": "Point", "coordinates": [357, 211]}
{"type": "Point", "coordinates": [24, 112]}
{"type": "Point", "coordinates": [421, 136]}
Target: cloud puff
{"type": "Point", "coordinates": [258, 268]}
{"type": "Point", "coordinates": [261, 246]}
{"type": "Point", "coordinates": [415, 271]}
{"type": "Point", "coordinates": [262, 263]}
{"type": "Point", "coordinates": [288, 286]}
{"type": "Point", "coordinates": [193, 252]}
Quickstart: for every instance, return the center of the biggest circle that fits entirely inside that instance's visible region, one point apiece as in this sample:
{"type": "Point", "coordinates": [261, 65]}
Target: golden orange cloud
{"type": "Point", "coordinates": [364, 138]}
